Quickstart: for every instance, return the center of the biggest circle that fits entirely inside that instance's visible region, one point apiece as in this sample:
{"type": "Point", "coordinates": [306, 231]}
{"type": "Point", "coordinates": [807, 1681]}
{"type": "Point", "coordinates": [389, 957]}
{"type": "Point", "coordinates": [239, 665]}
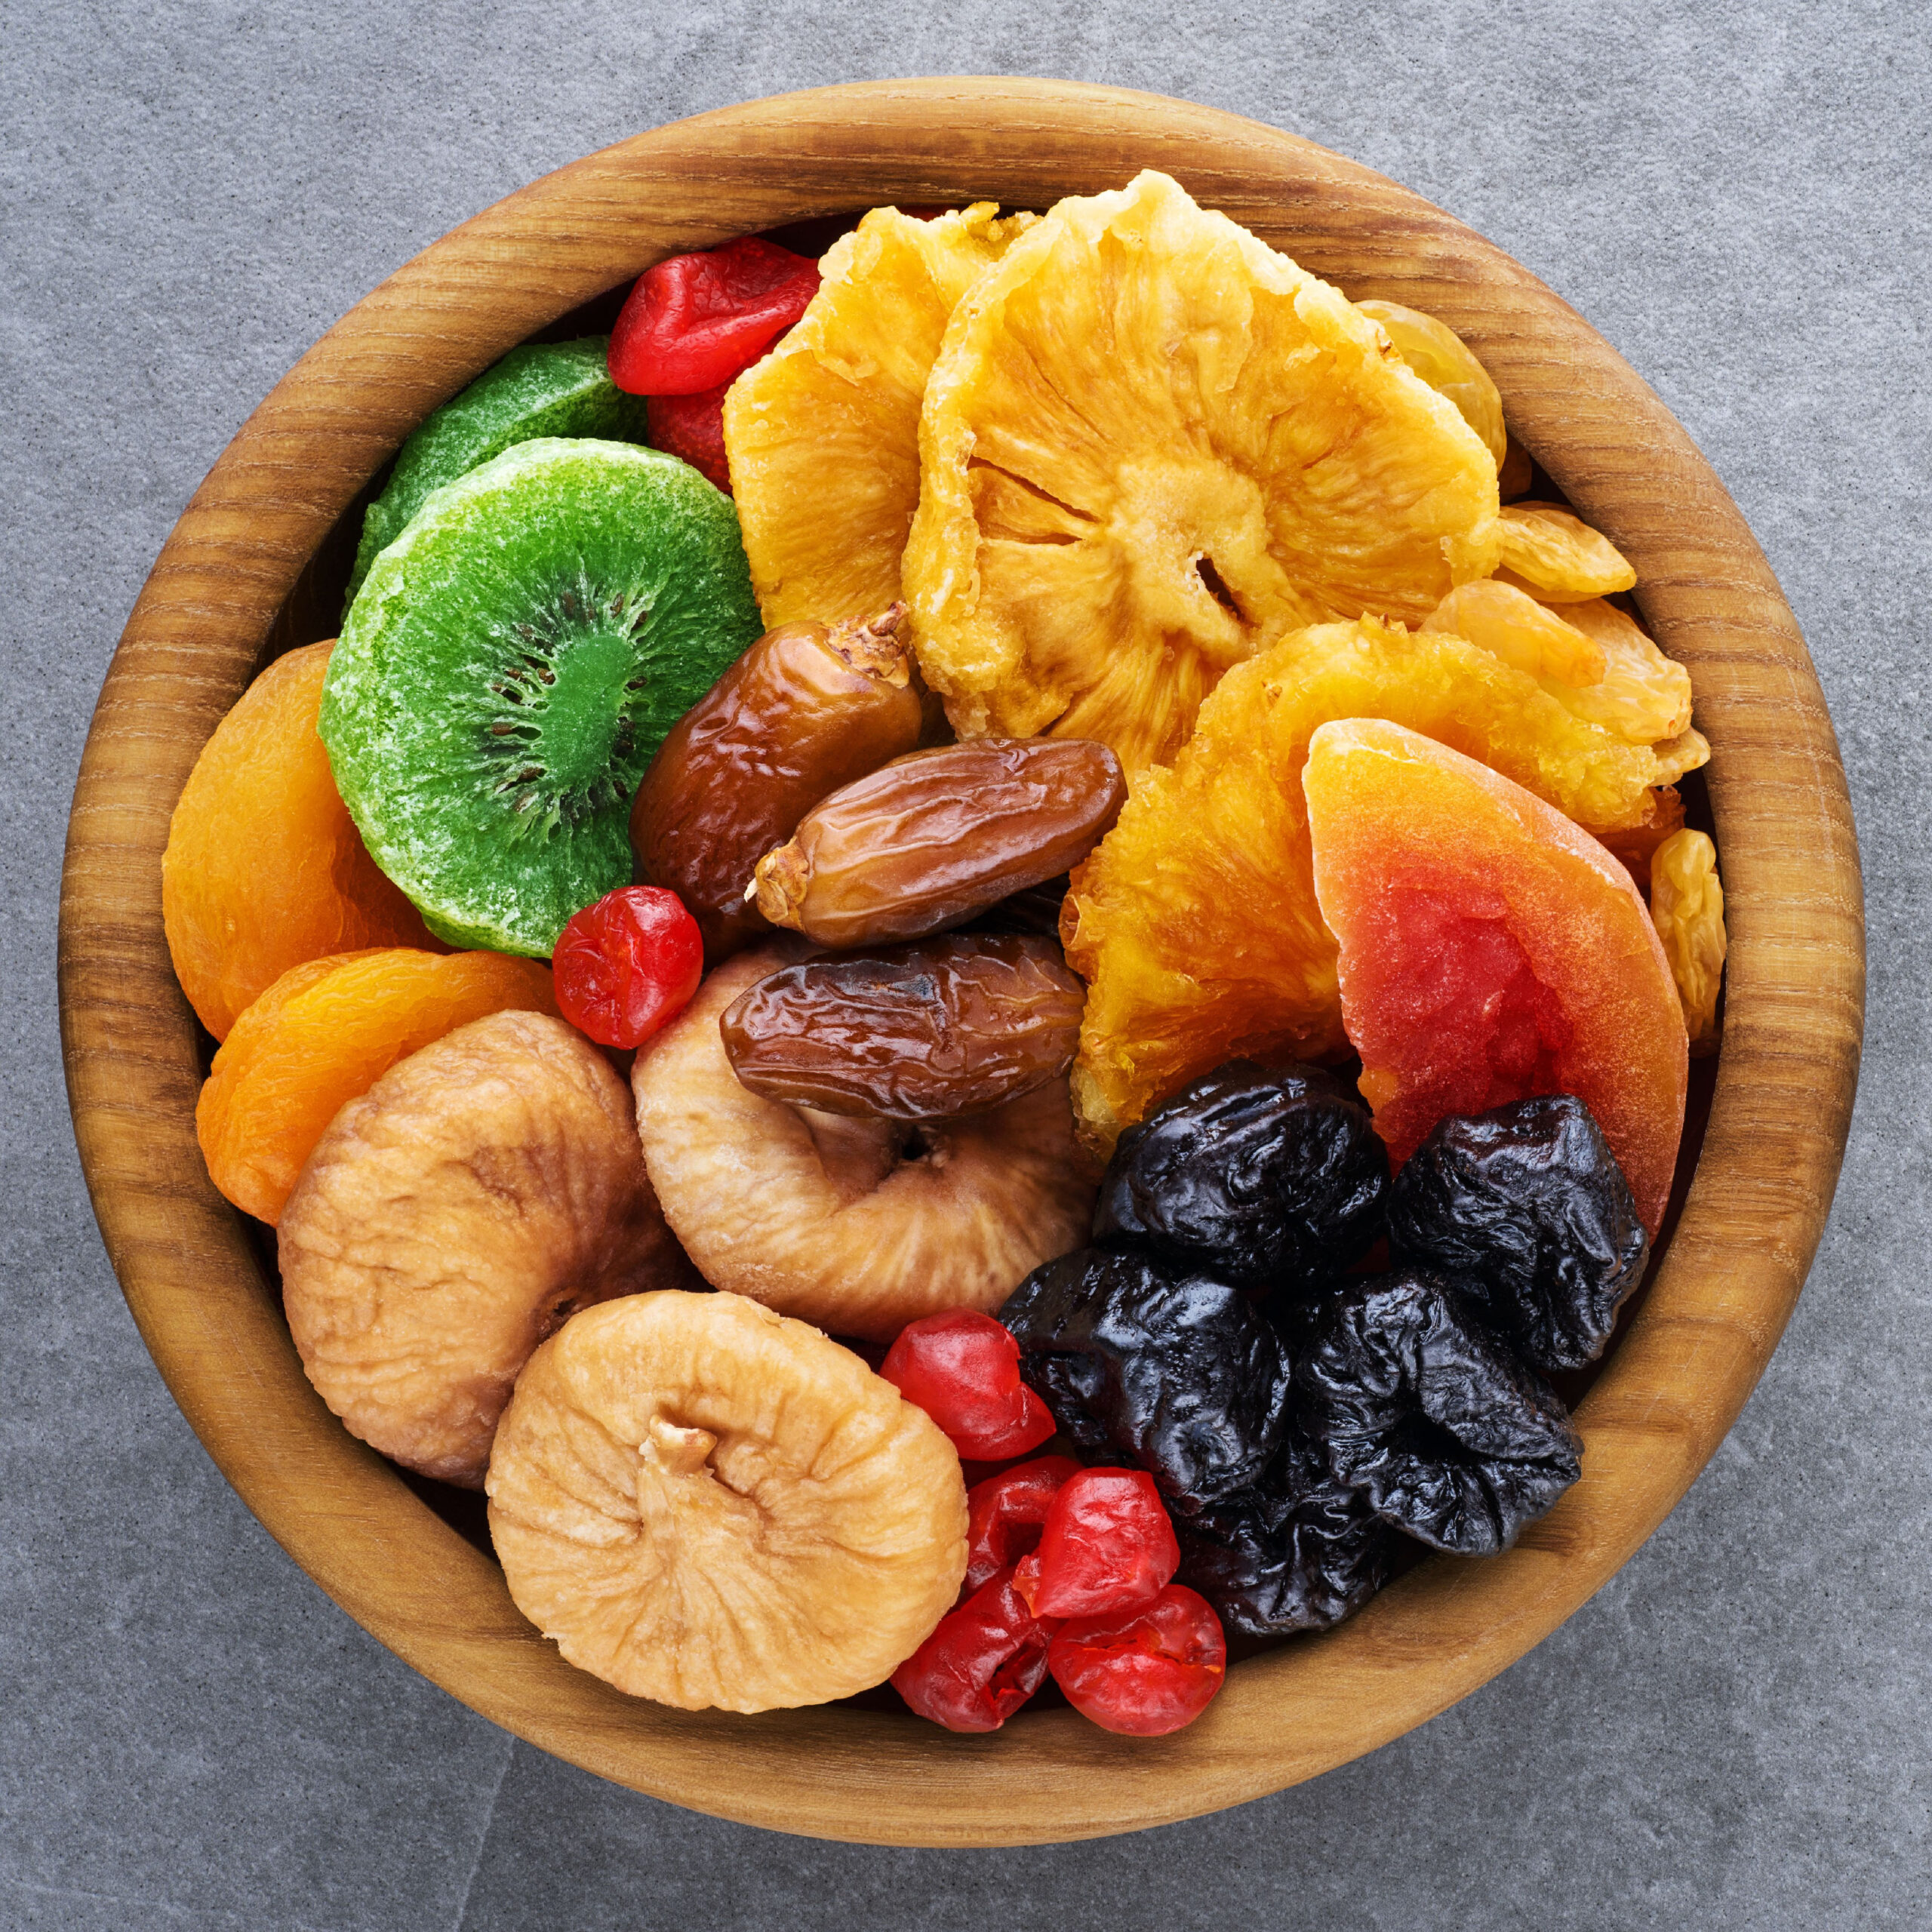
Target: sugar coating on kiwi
{"type": "Point", "coordinates": [550, 388]}
{"type": "Point", "coordinates": [512, 665]}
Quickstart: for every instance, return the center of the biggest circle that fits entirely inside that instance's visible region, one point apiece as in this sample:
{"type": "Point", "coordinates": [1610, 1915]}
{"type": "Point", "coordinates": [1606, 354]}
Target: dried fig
{"type": "Point", "coordinates": [477, 1196]}
{"type": "Point", "coordinates": [859, 1225]}
{"type": "Point", "coordinates": [706, 1504]}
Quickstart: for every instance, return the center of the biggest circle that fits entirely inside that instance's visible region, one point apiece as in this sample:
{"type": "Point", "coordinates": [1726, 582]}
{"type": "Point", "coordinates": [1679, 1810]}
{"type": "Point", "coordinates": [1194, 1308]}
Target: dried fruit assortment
{"type": "Point", "coordinates": [1168, 691]}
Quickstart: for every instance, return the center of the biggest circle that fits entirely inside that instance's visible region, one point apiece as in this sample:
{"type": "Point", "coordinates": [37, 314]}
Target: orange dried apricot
{"type": "Point", "coordinates": [322, 1036]}
{"type": "Point", "coordinates": [263, 868]}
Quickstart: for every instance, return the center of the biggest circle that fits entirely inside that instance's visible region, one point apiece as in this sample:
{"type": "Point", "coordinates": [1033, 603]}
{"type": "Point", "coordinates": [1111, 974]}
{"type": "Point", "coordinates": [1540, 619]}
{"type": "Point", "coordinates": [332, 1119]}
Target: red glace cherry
{"type": "Point", "coordinates": [1143, 1672]}
{"type": "Point", "coordinates": [628, 965]}
{"type": "Point", "coordinates": [963, 1369]}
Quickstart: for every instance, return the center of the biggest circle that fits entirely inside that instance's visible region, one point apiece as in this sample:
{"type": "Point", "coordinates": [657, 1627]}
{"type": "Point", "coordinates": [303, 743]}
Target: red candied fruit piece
{"type": "Point", "coordinates": [1143, 1672]}
{"type": "Point", "coordinates": [1003, 1515]}
{"type": "Point", "coordinates": [694, 322]}
{"type": "Point", "coordinates": [985, 1660]}
{"type": "Point", "coordinates": [963, 1369]}
{"type": "Point", "coordinates": [628, 965]}
{"type": "Point", "coordinates": [691, 428]}
{"type": "Point", "coordinates": [1107, 1546]}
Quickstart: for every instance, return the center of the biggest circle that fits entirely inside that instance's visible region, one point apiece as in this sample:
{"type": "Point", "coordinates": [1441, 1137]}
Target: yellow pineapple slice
{"type": "Point", "coordinates": [1152, 447]}
{"type": "Point", "coordinates": [823, 434]}
{"type": "Point", "coordinates": [1448, 365]}
{"type": "Point", "coordinates": [1194, 922]}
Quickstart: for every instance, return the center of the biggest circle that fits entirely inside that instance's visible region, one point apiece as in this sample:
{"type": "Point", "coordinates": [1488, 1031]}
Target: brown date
{"type": "Point", "coordinates": [807, 708]}
{"type": "Point", "coordinates": [952, 1025]}
{"type": "Point", "coordinates": [931, 839]}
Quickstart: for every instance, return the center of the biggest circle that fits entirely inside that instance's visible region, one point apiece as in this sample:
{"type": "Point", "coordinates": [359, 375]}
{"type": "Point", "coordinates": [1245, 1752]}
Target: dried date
{"type": "Point", "coordinates": [934, 838]}
{"type": "Point", "coordinates": [807, 709]}
{"type": "Point", "coordinates": [952, 1026]}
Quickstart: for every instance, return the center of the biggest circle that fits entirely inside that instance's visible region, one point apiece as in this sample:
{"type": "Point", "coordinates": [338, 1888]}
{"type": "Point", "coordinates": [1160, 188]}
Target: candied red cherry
{"type": "Point", "coordinates": [1107, 1546]}
{"type": "Point", "coordinates": [963, 1369]}
{"type": "Point", "coordinates": [628, 965]}
{"type": "Point", "coordinates": [985, 1660]}
{"type": "Point", "coordinates": [691, 428]}
{"type": "Point", "coordinates": [1003, 1515]}
{"type": "Point", "coordinates": [695, 321]}
{"type": "Point", "coordinates": [1143, 1672]}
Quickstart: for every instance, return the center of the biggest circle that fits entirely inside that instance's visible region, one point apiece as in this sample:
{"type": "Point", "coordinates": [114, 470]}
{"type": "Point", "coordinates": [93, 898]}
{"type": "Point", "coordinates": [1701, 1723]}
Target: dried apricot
{"type": "Point", "coordinates": [324, 1033]}
{"type": "Point", "coordinates": [264, 868]}
{"type": "Point", "coordinates": [1195, 923]}
{"type": "Point", "coordinates": [1687, 906]}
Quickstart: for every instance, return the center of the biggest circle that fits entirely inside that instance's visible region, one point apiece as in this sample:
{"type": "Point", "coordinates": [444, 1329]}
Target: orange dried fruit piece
{"type": "Point", "coordinates": [1448, 365]}
{"type": "Point", "coordinates": [264, 868]}
{"type": "Point", "coordinates": [1590, 657]}
{"type": "Point", "coordinates": [1491, 951]}
{"type": "Point", "coordinates": [1686, 905]}
{"type": "Point", "coordinates": [324, 1032]}
{"type": "Point", "coordinates": [1152, 447]}
{"type": "Point", "coordinates": [1558, 557]}
{"type": "Point", "coordinates": [823, 434]}
{"type": "Point", "coordinates": [1195, 923]}
{"type": "Point", "coordinates": [481, 1192]}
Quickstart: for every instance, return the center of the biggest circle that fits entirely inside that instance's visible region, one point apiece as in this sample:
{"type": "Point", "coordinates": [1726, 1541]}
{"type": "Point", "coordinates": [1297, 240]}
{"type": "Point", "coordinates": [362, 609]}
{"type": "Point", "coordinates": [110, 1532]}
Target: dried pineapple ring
{"type": "Point", "coordinates": [1687, 907]}
{"type": "Point", "coordinates": [1558, 557]}
{"type": "Point", "coordinates": [1521, 631]}
{"type": "Point", "coordinates": [1194, 922]}
{"type": "Point", "coordinates": [1152, 447]}
{"type": "Point", "coordinates": [1448, 365]}
{"type": "Point", "coordinates": [823, 434]}
{"type": "Point", "coordinates": [859, 1225]}
{"type": "Point", "coordinates": [704, 1503]}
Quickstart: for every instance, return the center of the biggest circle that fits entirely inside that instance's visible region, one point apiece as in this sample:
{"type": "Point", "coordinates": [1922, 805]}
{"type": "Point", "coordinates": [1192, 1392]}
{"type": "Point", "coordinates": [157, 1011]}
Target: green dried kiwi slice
{"type": "Point", "coordinates": [510, 666]}
{"type": "Point", "coordinates": [551, 389]}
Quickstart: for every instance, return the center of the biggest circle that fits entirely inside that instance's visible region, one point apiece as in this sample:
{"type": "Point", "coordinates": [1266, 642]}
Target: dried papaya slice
{"type": "Point", "coordinates": [1448, 365]}
{"type": "Point", "coordinates": [1194, 921]}
{"type": "Point", "coordinates": [264, 867]}
{"type": "Point", "coordinates": [1152, 447]}
{"type": "Point", "coordinates": [1557, 556]}
{"type": "Point", "coordinates": [1687, 904]}
{"type": "Point", "coordinates": [322, 1035]}
{"type": "Point", "coordinates": [823, 434]}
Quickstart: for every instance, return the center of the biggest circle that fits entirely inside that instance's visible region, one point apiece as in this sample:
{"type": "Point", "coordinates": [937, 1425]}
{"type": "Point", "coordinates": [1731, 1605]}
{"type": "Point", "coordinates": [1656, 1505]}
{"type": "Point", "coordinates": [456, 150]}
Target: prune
{"type": "Point", "coordinates": [943, 1026]}
{"type": "Point", "coordinates": [1149, 1363]}
{"type": "Point", "coordinates": [938, 835]}
{"type": "Point", "coordinates": [1261, 1177]}
{"type": "Point", "coordinates": [809, 707]}
{"type": "Point", "coordinates": [1432, 1416]}
{"type": "Point", "coordinates": [1526, 1205]}
{"type": "Point", "coordinates": [1299, 1552]}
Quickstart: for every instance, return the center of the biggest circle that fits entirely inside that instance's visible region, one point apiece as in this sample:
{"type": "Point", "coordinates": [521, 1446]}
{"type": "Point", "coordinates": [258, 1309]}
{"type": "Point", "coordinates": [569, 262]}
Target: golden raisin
{"type": "Point", "coordinates": [1687, 907]}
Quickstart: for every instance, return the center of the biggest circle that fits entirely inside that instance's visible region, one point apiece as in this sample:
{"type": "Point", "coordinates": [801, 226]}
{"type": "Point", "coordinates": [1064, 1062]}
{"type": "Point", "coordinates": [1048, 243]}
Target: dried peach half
{"type": "Point", "coordinates": [324, 1033]}
{"type": "Point", "coordinates": [1194, 922]}
{"type": "Point", "coordinates": [478, 1195]}
{"type": "Point", "coordinates": [1151, 448]}
{"type": "Point", "coordinates": [264, 868]}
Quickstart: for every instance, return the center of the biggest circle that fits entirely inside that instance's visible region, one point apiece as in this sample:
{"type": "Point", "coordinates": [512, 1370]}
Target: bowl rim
{"type": "Point", "coordinates": [1756, 1206]}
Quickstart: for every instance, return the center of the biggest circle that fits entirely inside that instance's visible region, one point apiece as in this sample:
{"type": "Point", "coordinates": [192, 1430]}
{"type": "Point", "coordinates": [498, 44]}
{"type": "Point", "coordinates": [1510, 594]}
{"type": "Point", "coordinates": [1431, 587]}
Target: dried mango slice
{"type": "Point", "coordinates": [1152, 447]}
{"type": "Point", "coordinates": [823, 434]}
{"type": "Point", "coordinates": [1194, 922]}
{"type": "Point", "coordinates": [1557, 557]}
{"type": "Point", "coordinates": [1687, 906]}
{"type": "Point", "coordinates": [1448, 365]}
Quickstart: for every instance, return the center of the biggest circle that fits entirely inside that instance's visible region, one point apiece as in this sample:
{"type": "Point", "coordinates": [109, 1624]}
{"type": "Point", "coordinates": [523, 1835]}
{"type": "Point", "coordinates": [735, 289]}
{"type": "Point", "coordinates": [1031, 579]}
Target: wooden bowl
{"type": "Point", "coordinates": [209, 612]}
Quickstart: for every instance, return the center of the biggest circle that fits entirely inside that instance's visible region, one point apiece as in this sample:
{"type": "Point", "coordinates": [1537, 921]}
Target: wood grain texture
{"type": "Point", "coordinates": [1756, 1206]}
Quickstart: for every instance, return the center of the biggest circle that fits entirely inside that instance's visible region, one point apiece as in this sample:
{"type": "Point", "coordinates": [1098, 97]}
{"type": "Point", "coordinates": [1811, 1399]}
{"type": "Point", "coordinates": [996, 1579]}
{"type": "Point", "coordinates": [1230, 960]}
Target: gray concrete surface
{"type": "Point", "coordinates": [1733, 1734]}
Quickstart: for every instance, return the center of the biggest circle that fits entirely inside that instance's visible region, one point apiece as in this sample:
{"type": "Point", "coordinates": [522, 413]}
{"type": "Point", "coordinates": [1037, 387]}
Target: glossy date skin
{"type": "Point", "coordinates": [958, 1025]}
{"type": "Point", "coordinates": [932, 839]}
{"type": "Point", "coordinates": [806, 710]}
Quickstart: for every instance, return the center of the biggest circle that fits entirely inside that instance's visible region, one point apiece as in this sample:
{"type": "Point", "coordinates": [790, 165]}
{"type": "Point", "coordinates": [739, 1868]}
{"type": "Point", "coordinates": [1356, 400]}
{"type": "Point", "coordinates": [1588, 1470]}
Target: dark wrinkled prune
{"type": "Point", "coordinates": [1450, 1436]}
{"type": "Point", "coordinates": [1526, 1207]}
{"type": "Point", "coordinates": [1301, 1551]}
{"type": "Point", "coordinates": [1146, 1362]}
{"type": "Point", "coordinates": [1257, 1175]}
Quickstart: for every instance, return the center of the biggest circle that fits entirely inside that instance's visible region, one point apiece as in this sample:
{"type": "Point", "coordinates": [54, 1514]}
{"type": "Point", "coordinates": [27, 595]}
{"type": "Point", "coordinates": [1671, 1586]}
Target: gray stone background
{"type": "Point", "coordinates": [1733, 1734]}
